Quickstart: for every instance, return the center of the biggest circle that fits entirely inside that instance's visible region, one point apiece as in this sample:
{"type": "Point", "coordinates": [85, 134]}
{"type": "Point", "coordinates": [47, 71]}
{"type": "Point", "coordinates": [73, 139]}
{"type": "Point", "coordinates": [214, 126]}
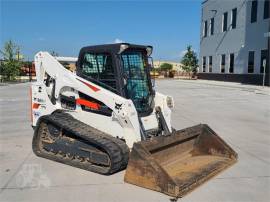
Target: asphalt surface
{"type": "Point", "coordinates": [239, 114]}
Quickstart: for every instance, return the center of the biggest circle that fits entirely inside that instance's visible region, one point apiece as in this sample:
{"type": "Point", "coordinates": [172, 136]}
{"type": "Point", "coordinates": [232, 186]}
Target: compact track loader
{"type": "Point", "coordinates": [107, 117]}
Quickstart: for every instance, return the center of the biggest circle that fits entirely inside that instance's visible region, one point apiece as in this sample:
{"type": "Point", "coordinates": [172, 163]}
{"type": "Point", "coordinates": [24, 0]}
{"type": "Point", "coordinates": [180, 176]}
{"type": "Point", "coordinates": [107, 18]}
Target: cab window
{"type": "Point", "coordinates": [99, 66]}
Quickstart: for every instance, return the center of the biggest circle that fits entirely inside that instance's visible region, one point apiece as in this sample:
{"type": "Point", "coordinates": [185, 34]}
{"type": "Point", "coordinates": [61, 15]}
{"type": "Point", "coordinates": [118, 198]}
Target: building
{"type": "Point", "coordinates": [176, 65]}
{"type": "Point", "coordinates": [234, 41]}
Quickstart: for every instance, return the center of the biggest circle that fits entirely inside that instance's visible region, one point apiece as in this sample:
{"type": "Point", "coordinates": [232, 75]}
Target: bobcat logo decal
{"type": "Point", "coordinates": [118, 106]}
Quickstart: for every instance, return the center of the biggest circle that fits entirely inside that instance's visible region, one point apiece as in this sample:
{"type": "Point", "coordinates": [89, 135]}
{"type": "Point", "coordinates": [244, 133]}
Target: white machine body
{"type": "Point", "coordinates": [123, 123]}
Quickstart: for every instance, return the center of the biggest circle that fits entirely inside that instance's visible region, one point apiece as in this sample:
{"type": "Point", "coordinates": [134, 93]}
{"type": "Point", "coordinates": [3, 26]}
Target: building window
{"type": "Point", "coordinates": [210, 62]}
{"type": "Point", "coordinates": [266, 9]}
{"type": "Point", "coordinates": [254, 6]}
{"type": "Point", "coordinates": [222, 63]}
{"type": "Point", "coordinates": [204, 64]}
{"type": "Point", "coordinates": [231, 63]}
{"type": "Point", "coordinates": [224, 21]}
{"type": "Point", "coordinates": [234, 17]}
{"type": "Point", "coordinates": [264, 57]}
{"type": "Point", "coordinates": [205, 29]}
{"type": "Point", "coordinates": [212, 24]}
{"type": "Point", "coordinates": [250, 61]}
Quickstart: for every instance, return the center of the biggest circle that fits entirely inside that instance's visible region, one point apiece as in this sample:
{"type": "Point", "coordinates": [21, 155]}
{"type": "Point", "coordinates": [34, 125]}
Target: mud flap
{"type": "Point", "coordinates": [177, 163]}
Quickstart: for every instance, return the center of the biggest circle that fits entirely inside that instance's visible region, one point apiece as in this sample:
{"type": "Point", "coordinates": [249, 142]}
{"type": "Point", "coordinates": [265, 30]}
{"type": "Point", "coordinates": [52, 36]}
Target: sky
{"type": "Point", "coordinates": [67, 26]}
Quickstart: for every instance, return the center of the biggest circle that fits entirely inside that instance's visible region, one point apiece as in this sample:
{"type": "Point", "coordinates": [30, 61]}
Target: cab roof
{"type": "Point", "coordinates": [112, 48]}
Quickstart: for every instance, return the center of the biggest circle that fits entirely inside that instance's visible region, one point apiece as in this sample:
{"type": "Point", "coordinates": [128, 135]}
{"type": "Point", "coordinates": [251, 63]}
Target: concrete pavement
{"type": "Point", "coordinates": [239, 114]}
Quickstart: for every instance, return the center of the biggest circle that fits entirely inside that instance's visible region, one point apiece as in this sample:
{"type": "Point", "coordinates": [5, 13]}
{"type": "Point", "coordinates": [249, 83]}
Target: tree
{"type": "Point", "coordinates": [11, 64]}
{"type": "Point", "coordinates": [166, 67]}
{"type": "Point", "coordinates": [189, 60]}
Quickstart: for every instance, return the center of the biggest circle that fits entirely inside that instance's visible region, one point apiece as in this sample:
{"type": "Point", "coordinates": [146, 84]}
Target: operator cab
{"type": "Point", "coordinates": [121, 68]}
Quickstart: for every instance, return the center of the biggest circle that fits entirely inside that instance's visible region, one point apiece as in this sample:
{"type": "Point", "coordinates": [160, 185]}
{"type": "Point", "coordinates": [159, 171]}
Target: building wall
{"type": "Point", "coordinates": [176, 65]}
{"type": "Point", "coordinates": [245, 37]}
{"type": "Point", "coordinates": [254, 35]}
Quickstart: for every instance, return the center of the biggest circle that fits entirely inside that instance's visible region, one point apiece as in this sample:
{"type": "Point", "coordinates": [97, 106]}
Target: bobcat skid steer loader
{"type": "Point", "coordinates": [107, 117]}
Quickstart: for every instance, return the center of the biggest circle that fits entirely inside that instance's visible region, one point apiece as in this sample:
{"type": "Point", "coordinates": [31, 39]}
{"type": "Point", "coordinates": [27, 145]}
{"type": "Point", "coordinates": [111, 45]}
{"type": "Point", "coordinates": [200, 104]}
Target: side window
{"type": "Point", "coordinates": [222, 63]}
{"type": "Point", "coordinates": [99, 66]}
{"type": "Point", "coordinates": [105, 66]}
{"type": "Point", "coordinates": [254, 6]}
{"type": "Point", "coordinates": [251, 61]}
{"type": "Point", "coordinates": [234, 18]}
{"type": "Point", "coordinates": [89, 66]}
{"type": "Point", "coordinates": [212, 26]}
{"type": "Point", "coordinates": [204, 64]}
{"type": "Point", "coordinates": [205, 29]}
{"type": "Point", "coordinates": [210, 62]}
{"type": "Point", "coordinates": [266, 9]}
{"type": "Point", "coordinates": [224, 22]}
{"type": "Point", "coordinates": [231, 68]}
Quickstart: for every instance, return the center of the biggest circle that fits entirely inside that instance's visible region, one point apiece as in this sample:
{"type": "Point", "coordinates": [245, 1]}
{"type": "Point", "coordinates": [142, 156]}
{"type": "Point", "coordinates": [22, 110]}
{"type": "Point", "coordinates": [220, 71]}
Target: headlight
{"type": "Point", "coordinates": [122, 48]}
{"type": "Point", "coordinates": [149, 50]}
{"type": "Point", "coordinates": [170, 102]}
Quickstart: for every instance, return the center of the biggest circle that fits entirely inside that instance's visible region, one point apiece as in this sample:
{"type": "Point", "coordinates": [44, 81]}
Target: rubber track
{"type": "Point", "coordinates": [117, 149]}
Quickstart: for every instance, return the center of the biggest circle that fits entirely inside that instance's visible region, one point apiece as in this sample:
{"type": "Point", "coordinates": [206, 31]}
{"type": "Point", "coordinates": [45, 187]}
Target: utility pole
{"type": "Point", "coordinates": [267, 65]}
{"type": "Point", "coordinates": [264, 67]}
{"type": "Point", "coordinates": [29, 69]}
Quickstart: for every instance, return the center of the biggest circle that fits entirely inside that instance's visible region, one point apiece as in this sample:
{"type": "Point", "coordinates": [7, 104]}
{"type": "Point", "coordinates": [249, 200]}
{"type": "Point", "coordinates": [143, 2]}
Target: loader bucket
{"type": "Point", "coordinates": [177, 163]}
